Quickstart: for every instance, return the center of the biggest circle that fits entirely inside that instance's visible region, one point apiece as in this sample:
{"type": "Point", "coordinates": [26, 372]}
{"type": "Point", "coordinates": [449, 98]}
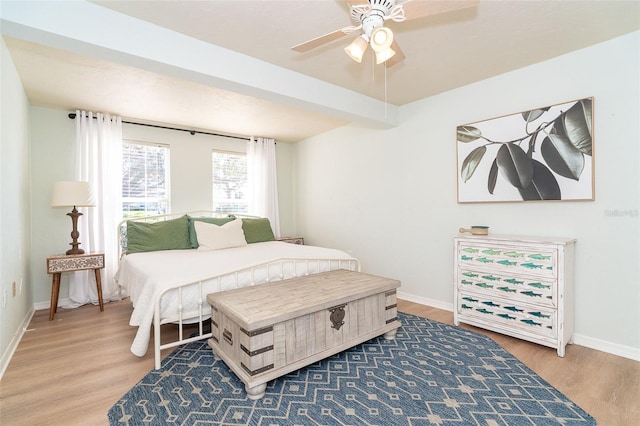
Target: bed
{"type": "Point", "coordinates": [169, 263]}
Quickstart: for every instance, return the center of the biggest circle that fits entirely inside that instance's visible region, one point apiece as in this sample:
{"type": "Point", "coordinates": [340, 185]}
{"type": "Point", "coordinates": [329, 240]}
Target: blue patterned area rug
{"type": "Point", "coordinates": [432, 374]}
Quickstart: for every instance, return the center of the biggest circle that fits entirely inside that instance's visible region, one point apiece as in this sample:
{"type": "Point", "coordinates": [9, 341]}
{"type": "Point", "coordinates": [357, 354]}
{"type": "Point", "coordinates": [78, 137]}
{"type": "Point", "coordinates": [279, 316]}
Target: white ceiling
{"type": "Point", "coordinates": [245, 80]}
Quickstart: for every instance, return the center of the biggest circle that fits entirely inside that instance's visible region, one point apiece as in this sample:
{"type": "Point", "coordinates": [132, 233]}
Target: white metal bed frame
{"type": "Point", "coordinates": [202, 312]}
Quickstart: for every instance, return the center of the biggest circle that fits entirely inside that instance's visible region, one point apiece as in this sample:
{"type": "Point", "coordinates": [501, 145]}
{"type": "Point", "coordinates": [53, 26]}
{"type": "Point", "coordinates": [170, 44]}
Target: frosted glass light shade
{"type": "Point", "coordinates": [381, 39]}
{"type": "Point", "coordinates": [72, 193]}
{"type": "Point", "coordinates": [385, 54]}
{"type": "Point", "coordinates": [356, 49]}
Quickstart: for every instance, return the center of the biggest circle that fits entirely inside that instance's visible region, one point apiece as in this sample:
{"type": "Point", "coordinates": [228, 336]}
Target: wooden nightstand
{"type": "Point", "coordinates": [56, 265]}
{"type": "Point", "coordinates": [292, 240]}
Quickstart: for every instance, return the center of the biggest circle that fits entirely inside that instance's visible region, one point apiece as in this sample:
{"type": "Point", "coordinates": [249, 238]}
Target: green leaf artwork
{"type": "Point", "coordinates": [541, 154]}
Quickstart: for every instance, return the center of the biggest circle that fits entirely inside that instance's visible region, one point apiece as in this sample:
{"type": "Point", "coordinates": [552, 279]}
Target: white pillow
{"type": "Point", "coordinates": [215, 237]}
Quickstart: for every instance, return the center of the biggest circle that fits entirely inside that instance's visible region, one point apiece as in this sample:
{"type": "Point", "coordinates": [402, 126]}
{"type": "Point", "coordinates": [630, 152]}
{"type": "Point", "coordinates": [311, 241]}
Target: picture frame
{"type": "Point", "coordinates": [543, 154]}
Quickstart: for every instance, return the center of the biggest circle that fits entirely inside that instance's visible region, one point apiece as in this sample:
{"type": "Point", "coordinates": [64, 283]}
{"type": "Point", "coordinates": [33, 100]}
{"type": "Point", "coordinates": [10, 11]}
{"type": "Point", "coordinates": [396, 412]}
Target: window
{"type": "Point", "coordinates": [145, 179]}
{"type": "Point", "coordinates": [229, 182]}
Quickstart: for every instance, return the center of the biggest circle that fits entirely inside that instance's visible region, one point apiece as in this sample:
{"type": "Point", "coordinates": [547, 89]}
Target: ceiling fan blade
{"type": "Point", "coordinates": [398, 57]}
{"type": "Point", "coordinates": [417, 9]}
{"type": "Point", "coordinates": [324, 39]}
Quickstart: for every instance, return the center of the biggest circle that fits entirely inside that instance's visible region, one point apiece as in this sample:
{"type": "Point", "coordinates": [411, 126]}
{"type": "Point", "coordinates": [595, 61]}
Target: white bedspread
{"type": "Point", "coordinates": [147, 275]}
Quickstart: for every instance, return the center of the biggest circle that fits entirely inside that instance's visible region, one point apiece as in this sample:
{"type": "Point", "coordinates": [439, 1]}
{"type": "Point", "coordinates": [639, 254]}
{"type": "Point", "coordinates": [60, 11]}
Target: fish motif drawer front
{"type": "Point", "coordinates": [536, 320]}
{"type": "Point", "coordinates": [528, 261]}
{"type": "Point", "coordinates": [516, 287]}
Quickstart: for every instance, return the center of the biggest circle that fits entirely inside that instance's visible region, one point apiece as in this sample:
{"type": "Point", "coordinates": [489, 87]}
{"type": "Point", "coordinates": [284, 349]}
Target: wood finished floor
{"type": "Point", "coordinates": [70, 371]}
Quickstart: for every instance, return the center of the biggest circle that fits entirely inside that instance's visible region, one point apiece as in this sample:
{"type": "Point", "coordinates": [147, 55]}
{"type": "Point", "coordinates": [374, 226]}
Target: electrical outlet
{"type": "Point", "coordinates": [14, 289]}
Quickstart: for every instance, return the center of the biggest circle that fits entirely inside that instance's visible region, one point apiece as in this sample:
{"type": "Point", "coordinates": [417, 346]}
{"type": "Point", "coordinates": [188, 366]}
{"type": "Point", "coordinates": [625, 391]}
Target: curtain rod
{"type": "Point", "coordinates": [72, 115]}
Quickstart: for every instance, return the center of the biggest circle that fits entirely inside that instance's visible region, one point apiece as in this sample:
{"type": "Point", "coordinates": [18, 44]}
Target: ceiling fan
{"type": "Point", "coordinates": [370, 15]}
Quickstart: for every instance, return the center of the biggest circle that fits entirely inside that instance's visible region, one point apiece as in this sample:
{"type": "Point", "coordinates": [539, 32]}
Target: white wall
{"type": "Point", "coordinates": [52, 139]}
{"type": "Point", "coordinates": [14, 209]}
{"type": "Point", "coordinates": [53, 135]}
{"type": "Point", "coordinates": [390, 195]}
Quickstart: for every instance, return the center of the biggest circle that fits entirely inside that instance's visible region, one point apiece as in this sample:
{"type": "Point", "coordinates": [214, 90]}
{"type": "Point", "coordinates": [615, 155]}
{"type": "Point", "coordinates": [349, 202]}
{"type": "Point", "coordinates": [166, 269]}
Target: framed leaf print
{"type": "Point", "coordinates": [537, 155]}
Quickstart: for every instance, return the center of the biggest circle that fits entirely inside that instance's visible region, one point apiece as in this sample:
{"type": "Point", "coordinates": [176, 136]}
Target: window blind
{"type": "Point", "coordinates": [145, 179]}
{"type": "Point", "coordinates": [229, 182]}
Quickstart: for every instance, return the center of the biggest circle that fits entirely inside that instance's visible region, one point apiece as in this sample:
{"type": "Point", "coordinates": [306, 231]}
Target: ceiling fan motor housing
{"type": "Point", "coordinates": [372, 16]}
{"type": "Point", "coordinates": [385, 5]}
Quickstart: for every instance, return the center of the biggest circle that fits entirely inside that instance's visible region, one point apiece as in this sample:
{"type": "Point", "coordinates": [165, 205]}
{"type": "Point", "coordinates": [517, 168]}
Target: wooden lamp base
{"type": "Point", "coordinates": [74, 232]}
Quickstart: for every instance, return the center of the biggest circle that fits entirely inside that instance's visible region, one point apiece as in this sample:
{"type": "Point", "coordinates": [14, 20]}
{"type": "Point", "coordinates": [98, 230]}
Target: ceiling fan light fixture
{"type": "Point", "coordinates": [356, 49]}
{"type": "Point", "coordinates": [384, 55]}
{"type": "Point", "coordinates": [381, 39]}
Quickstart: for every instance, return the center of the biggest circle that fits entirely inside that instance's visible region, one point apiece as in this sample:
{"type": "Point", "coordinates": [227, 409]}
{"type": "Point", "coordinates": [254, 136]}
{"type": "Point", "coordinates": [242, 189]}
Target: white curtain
{"type": "Point", "coordinates": [263, 181]}
{"type": "Point", "coordinates": [98, 160]}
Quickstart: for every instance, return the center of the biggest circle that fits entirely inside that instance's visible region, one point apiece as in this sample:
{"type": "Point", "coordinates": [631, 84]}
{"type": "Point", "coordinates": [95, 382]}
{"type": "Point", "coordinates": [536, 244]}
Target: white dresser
{"type": "Point", "coordinates": [516, 285]}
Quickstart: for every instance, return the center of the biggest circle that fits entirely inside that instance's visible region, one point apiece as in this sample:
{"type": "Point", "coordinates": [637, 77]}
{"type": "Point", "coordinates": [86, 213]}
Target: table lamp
{"type": "Point", "coordinates": [76, 194]}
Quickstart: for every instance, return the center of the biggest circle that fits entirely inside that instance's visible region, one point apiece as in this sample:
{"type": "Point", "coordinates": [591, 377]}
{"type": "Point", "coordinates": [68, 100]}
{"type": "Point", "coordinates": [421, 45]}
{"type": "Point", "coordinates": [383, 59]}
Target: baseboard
{"type": "Point", "coordinates": [608, 347]}
{"type": "Point", "coordinates": [62, 303]}
{"type": "Point", "coordinates": [38, 306]}
{"type": "Point", "coordinates": [426, 301]}
{"type": "Point", "coordinates": [578, 339]}
{"type": "Point", "coordinates": [13, 345]}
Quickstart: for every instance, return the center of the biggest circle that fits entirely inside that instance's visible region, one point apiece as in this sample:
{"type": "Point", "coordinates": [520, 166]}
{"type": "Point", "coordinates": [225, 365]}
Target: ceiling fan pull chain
{"type": "Point", "coordinates": [385, 92]}
{"type": "Point", "coordinates": [373, 72]}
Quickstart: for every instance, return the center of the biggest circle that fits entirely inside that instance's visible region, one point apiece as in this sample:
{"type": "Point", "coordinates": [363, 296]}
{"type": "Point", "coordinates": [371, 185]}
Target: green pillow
{"type": "Point", "coordinates": [193, 238]}
{"type": "Point", "coordinates": [257, 230]}
{"type": "Point", "coordinates": [170, 234]}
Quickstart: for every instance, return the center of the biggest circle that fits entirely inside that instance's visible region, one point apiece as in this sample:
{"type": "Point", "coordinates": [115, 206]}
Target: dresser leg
{"type": "Point", "coordinates": [99, 287]}
{"type": "Point", "coordinates": [55, 291]}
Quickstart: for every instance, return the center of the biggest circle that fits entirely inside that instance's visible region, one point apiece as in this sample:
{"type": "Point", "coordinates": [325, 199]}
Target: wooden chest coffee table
{"type": "Point", "coordinates": [267, 331]}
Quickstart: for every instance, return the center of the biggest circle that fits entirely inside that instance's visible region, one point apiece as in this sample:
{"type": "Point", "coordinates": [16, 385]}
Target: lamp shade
{"type": "Point", "coordinates": [72, 193]}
